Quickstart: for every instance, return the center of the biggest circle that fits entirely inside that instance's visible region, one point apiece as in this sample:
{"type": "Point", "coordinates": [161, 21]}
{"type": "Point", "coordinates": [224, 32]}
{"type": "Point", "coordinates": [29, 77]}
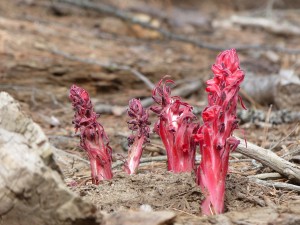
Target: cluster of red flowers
{"type": "Point", "coordinates": [139, 124]}
{"type": "Point", "coordinates": [177, 129]}
{"type": "Point", "coordinates": [93, 138]}
{"type": "Point", "coordinates": [215, 135]}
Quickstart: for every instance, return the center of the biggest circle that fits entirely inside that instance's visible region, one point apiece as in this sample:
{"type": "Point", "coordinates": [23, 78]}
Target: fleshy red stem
{"type": "Point", "coordinates": [134, 156]}
{"type": "Point", "coordinates": [178, 160]}
{"type": "Point", "coordinates": [215, 135]}
{"type": "Point", "coordinates": [93, 138]}
{"type": "Point", "coordinates": [175, 127]}
{"type": "Point", "coordinates": [139, 124]}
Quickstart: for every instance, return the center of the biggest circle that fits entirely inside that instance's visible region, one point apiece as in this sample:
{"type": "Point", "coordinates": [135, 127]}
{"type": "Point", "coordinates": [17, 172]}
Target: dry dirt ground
{"type": "Point", "coordinates": [47, 46]}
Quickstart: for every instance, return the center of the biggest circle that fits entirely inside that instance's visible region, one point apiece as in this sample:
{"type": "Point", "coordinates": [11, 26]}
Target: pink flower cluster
{"type": "Point", "coordinates": [93, 138]}
{"type": "Point", "coordinates": [175, 127]}
{"type": "Point", "coordinates": [139, 124]}
{"type": "Point", "coordinates": [215, 135]}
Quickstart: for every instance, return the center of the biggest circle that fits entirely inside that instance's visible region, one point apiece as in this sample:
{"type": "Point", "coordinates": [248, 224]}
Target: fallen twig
{"type": "Point", "coordinates": [264, 176]}
{"type": "Point", "coordinates": [164, 159]}
{"type": "Point", "coordinates": [103, 8]}
{"type": "Point", "coordinates": [276, 184]}
{"type": "Point", "coordinates": [280, 141]}
{"type": "Point", "coordinates": [183, 91]}
{"type": "Point", "coordinates": [270, 159]}
{"type": "Point", "coordinates": [270, 25]}
{"type": "Point", "coordinates": [143, 160]}
{"type": "Point", "coordinates": [291, 153]}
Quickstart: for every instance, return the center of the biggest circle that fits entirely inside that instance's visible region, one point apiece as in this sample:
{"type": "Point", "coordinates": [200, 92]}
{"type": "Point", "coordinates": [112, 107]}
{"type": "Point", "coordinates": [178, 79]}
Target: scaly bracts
{"type": "Point", "coordinates": [215, 135]}
{"type": "Point", "coordinates": [139, 124]}
{"type": "Point", "coordinates": [175, 127]}
{"type": "Point", "coordinates": [93, 138]}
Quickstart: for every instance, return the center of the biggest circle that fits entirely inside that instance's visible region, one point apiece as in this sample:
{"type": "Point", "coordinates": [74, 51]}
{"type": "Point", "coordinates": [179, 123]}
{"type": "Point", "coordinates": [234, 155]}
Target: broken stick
{"type": "Point", "coordinates": [276, 184]}
{"type": "Point", "coordinates": [270, 159]}
{"type": "Point", "coordinates": [183, 91]}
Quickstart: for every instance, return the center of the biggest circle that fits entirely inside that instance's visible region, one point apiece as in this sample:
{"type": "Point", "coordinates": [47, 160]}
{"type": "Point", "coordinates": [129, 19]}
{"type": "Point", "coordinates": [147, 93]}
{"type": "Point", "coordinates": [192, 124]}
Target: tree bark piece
{"type": "Point", "coordinates": [270, 159]}
{"type": "Point", "coordinates": [30, 191]}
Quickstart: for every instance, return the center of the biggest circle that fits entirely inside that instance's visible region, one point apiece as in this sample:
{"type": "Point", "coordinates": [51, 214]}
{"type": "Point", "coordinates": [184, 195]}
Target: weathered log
{"type": "Point", "coordinates": [31, 192]}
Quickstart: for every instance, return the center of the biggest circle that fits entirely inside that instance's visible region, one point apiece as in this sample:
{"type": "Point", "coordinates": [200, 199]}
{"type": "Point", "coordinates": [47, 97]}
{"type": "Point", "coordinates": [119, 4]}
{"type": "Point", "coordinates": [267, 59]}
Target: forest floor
{"type": "Point", "coordinates": [46, 47]}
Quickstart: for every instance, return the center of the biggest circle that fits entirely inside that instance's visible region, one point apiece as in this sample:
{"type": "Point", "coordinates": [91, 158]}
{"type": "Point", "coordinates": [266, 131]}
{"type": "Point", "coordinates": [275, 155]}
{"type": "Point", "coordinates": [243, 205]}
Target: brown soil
{"type": "Point", "coordinates": [161, 190]}
{"type": "Point", "coordinates": [35, 35]}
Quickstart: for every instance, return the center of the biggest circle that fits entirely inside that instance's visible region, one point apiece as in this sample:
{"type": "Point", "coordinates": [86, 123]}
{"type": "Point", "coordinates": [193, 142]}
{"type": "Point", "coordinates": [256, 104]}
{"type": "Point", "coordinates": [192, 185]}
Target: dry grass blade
{"type": "Point", "coordinates": [284, 137]}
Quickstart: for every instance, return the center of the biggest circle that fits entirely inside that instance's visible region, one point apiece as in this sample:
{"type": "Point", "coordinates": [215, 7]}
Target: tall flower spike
{"type": "Point", "coordinates": [93, 138]}
{"type": "Point", "coordinates": [215, 135]}
{"type": "Point", "coordinates": [139, 124]}
{"type": "Point", "coordinates": [175, 127]}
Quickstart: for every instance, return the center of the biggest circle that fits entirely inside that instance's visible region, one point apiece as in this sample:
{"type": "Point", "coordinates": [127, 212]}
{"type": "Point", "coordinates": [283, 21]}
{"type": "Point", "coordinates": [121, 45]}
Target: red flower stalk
{"type": "Point", "coordinates": [93, 138]}
{"type": "Point", "coordinates": [215, 135]}
{"type": "Point", "coordinates": [175, 128]}
{"type": "Point", "coordinates": [139, 124]}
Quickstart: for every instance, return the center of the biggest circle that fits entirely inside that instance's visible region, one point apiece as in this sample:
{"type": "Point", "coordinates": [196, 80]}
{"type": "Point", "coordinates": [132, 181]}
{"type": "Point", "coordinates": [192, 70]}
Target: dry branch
{"type": "Point", "coordinates": [121, 14]}
{"type": "Point", "coordinates": [164, 159]}
{"type": "Point", "coordinates": [264, 176]}
{"type": "Point", "coordinates": [183, 91]}
{"type": "Point", "coordinates": [270, 25]}
{"type": "Point", "coordinates": [143, 160]}
{"type": "Point", "coordinates": [276, 184]}
{"type": "Point", "coordinates": [270, 159]}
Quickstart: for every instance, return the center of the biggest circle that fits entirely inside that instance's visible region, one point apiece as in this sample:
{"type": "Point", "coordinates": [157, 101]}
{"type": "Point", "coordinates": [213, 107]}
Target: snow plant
{"type": "Point", "coordinates": [215, 135]}
{"type": "Point", "coordinates": [139, 124]}
{"type": "Point", "coordinates": [93, 138]}
{"type": "Point", "coordinates": [175, 127]}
